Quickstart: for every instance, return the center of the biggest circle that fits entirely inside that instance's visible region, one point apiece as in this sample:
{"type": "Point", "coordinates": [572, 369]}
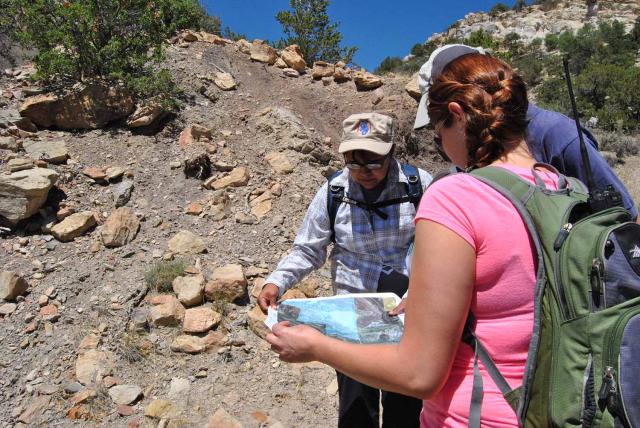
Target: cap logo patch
{"type": "Point", "coordinates": [363, 127]}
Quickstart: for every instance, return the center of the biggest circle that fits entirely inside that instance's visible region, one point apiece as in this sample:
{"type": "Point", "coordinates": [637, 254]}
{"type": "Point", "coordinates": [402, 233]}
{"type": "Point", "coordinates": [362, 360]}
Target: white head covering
{"type": "Point", "coordinates": [431, 69]}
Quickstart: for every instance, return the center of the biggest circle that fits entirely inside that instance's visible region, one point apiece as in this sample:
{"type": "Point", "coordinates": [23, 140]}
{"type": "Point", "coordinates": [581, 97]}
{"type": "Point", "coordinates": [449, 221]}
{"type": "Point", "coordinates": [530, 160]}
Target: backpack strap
{"type": "Point", "coordinates": [414, 184]}
{"type": "Point", "coordinates": [335, 195]}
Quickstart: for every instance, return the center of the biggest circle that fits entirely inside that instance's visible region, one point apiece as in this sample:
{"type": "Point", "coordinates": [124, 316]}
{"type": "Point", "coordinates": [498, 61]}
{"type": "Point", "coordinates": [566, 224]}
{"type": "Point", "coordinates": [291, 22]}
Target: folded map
{"type": "Point", "coordinates": [358, 318]}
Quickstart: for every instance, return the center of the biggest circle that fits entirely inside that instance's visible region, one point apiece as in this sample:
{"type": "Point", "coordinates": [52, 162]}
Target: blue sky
{"type": "Point", "coordinates": [379, 28]}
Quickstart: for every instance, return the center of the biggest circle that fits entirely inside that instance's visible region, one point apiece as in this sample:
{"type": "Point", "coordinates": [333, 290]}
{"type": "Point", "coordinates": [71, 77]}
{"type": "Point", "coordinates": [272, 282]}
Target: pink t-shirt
{"type": "Point", "coordinates": [503, 294]}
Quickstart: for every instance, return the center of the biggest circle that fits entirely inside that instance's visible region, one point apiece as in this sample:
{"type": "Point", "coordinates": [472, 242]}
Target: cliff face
{"type": "Point", "coordinates": [538, 21]}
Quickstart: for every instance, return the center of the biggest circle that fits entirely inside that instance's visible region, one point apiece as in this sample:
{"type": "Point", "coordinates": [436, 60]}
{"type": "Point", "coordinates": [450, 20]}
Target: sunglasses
{"type": "Point", "coordinates": [371, 165]}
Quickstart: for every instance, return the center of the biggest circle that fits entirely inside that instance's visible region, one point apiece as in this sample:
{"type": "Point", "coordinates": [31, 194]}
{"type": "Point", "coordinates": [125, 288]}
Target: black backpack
{"type": "Point", "coordinates": [336, 196]}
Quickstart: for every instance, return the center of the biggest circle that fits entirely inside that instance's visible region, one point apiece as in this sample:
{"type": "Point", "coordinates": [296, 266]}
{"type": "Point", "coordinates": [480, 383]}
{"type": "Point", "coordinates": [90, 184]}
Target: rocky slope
{"type": "Point", "coordinates": [87, 342]}
{"type": "Point", "coordinates": [538, 21]}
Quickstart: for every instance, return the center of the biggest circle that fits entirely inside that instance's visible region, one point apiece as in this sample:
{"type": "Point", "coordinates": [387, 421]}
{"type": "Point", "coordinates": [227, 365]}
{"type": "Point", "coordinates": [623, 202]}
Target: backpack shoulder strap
{"type": "Point", "coordinates": [334, 199]}
{"type": "Point", "coordinates": [414, 184]}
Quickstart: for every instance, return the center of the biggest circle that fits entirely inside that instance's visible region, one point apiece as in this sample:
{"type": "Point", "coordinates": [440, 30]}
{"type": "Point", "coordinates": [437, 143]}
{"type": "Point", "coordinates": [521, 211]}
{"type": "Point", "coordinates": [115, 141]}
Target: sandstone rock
{"type": "Point", "coordinates": [190, 289]}
{"type": "Point", "coordinates": [83, 396]}
{"type": "Point", "coordinates": [222, 419]}
{"type": "Point", "coordinates": [290, 72]}
{"type": "Point", "coordinates": [49, 151]}
{"type": "Point", "coordinates": [279, 162]}
{"type": "Point", "coordinates": [227, 283]}
{"type": "Point", "coordinates": [22, 193]}
{"type": "Point", "coordinates": [12, 285]}
{"type": "Point", "coordinates": [322, 69]}
{"type": "Point", "coordinates": [193, 208]}
{"type": "Point", "coordinates": [378, 96]}
{"type": "Point", "coordinates": [193, 133]}
{"type": "Point", "coordinates": [120, 228]}
{"type": "Point", "coordinates": [310, 287]}
{"type": "Point", "coordinates": [9, 143]}
{"type": "Point", "coordinates": [341, 75]}
{"type": "Point", "coordinates": [412, 87]}
{"type": "Point", "coordinates": [73, 226]}
{"type": "Point", "coordinates": [85, 106]}
{"type": "Point", "coordinates": [146, 114]}
{"type": "Point", "coordinates": [213, 38]}
{"type": "Point", "coordinates": [280, 63]}
{"type": "Point", "coordinates": [159, 409]}
{"type": "Point", "coordinates": [366, 81]}
{"type": "Point", "coordinates": [200, 320]}
{"type": "Point", "coordinates": [185, 242]}
{"type": "Point", "coordinates": [95, 173]}
{"type": "Point", "coordinates": [7, 309]}
{"type": "Point", "coordinates": [125, 394]}
{"type": "Point", "coordinates": [125, 410]}
{"type": "Point", "coordinates": [238, 177]}
{"type": "Point", "coordinates": [167, 311]}
{"type": "Point", "coordinates": [114, 173]}
{"type": "Point", "coordinates": [90, 341]}
{"type": "Point", "coordinates": [261, 209]}
{"type": "Point", "coordinates": [244, 218]}
{"type": "Point", "coordinates": [292, 56]}
{"type": "Point", "coordinates": [92, 366]}
{"type": "Point", "coordinates": [262, 52]}
{"type": "Point", "coordinates": [189, 36]}
{"type": "Point", "coordinates": [19, 164]}
{"type": "Point", "coordinates": [50, 313]}
{"type": "Point", "coordinates": [293, 293]}
{"type": "Point", "coordinates": [225, 81]}
{"type": "Point", "coordinates": [219, 205]}
{"type": "Point", "coordinates": [244, 46]}
{"type": "Point", "coordinates": [188, 344]}
{"type": "Point", "coordinates": [255, 320]}
{"type": "Point", "coordinates": [34, 409]}
{"type": "Point", "coordinates": [122, 193]}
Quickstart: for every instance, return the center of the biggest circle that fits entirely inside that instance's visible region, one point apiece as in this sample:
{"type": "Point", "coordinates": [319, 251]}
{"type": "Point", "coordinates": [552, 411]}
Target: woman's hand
{"type": "Point", "coordinates": [294, 344]}
{"type": "Point", "coordinates": [399, 309]}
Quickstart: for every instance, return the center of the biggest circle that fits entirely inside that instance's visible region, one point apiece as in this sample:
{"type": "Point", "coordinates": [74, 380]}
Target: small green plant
{"type": "Point", "coordinates": [160, 276]}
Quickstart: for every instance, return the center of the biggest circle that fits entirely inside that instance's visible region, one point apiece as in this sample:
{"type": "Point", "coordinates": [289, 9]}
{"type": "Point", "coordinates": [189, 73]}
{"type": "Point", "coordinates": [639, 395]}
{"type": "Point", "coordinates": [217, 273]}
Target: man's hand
{"type": "Point", "coordinates": [399, 309]}
{"type": "Point", "coordinates": [268, 296]}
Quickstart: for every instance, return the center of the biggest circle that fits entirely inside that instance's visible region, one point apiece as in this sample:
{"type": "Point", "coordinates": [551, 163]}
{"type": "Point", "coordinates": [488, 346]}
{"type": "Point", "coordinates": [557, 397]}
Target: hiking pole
{"type": "Point", "coordinates": [599, 200]}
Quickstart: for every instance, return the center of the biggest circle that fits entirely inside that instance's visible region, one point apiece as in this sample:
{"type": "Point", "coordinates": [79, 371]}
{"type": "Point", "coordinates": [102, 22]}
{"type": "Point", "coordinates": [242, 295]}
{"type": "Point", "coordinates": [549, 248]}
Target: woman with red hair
{"type": "Point", "coordinates": [472, 254]}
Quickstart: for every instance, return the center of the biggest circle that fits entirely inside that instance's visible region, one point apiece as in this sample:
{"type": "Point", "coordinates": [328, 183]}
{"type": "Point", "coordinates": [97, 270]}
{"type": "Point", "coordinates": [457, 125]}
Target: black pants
{"type": "Point", "coordinates": [359, 407]}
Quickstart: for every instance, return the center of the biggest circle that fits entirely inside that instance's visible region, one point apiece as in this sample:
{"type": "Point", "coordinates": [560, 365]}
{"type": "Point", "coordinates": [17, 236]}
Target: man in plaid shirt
{"type": "Point", "coordinates": [371, 242]}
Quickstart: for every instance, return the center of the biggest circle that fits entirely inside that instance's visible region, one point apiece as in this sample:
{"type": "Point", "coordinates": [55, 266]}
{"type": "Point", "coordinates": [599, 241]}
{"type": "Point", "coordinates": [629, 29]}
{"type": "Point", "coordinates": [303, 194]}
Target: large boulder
{"type": "Point", "coordinates": [120, 228]}
{"type": "Point", "coordinates": [262, 52]}
{"type": "Point", "coordinates": [22, 193]}
{"type": "Point", "coordinates": [84, 106]}
{"type": "Point", "coordinates": [292, 56]}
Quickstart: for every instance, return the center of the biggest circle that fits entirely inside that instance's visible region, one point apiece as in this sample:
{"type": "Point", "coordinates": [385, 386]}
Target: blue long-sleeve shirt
{"type": "Point", "coordinates": [552, 138]}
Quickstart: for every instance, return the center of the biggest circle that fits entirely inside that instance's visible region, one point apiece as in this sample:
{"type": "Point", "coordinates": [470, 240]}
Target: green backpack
{"type": "Point", "coordinates": [583, 365]}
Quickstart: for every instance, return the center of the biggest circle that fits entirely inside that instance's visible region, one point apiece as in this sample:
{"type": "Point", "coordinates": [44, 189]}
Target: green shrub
{"type": "Point", "coordinates": [160, 276]}
{"type": "Point", "coordinates": [307, 25]}
{"type": "Point", "coordinates": [78, 40]}
{"type": "Point", "coordinates": [389, 64]}
{"type": "Point", "coordinates": [498, 8]}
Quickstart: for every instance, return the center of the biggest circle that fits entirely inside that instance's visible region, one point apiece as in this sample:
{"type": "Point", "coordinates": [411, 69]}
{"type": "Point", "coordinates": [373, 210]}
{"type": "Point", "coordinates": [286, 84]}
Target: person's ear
{"type": "Point", "coordinates": [456, 111]}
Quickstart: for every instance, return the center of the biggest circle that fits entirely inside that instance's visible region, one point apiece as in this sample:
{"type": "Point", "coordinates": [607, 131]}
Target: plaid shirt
{"type": "Point", "coordinates": [364, 242]}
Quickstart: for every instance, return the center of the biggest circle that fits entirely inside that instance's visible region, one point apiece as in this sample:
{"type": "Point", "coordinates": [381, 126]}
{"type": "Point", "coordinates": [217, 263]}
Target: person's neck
{"type": "Point", "coordinates": [520, 157]}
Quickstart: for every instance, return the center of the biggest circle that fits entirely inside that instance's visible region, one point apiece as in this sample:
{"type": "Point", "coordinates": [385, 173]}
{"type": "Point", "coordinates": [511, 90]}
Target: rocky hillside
{"type": "Point", "coordinates": [132, 253]}
{"type": "Point", "coordinates": [537, 21]}
{"type": "Point", "coordinates": [96, 220]}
